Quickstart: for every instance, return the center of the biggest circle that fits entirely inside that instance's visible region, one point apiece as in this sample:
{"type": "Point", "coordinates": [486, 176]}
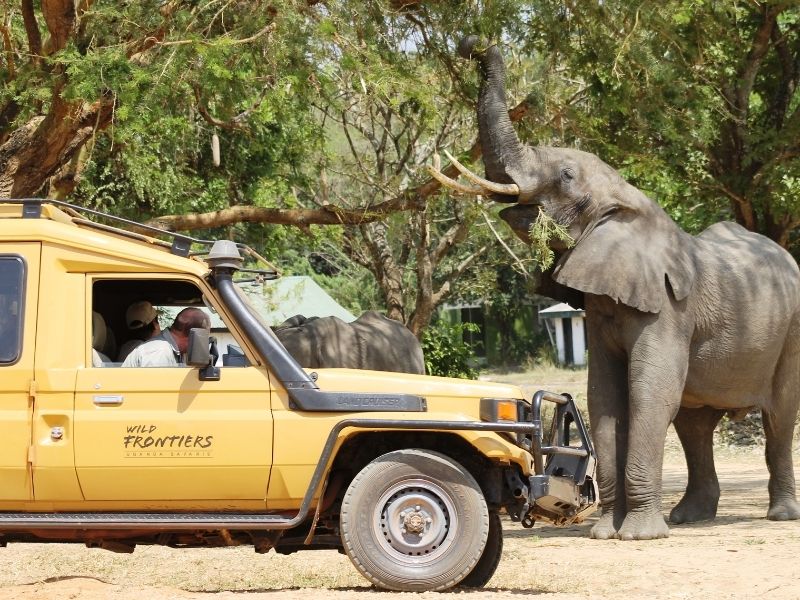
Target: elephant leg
{"type": "Point", "coordinates": [657, 372]}
{"type": "Point", "coordinates": [608, 415]}
{"type": "Point", "coordinates": [695, 427]}
{"type": "Point", "coordinates": [779, 419]}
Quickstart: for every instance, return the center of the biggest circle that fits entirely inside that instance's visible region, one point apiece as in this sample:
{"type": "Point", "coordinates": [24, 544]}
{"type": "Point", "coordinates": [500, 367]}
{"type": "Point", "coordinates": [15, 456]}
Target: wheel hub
{"type": "Point", "coordinates": [416, 519]}
{"type": "Point", "coordinates": [415, 522]}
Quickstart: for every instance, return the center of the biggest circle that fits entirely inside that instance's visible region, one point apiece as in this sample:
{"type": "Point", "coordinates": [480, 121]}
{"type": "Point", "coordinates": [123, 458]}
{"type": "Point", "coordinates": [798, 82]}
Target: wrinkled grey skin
{"type": "Point", "coordinates": [372, 341]}
{"type": "Point", "coordinates": [680, 328]}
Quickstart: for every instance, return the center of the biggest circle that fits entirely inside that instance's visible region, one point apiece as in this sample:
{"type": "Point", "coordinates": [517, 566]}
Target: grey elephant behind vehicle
{"type": "Point", "coordinates": [372, 341]}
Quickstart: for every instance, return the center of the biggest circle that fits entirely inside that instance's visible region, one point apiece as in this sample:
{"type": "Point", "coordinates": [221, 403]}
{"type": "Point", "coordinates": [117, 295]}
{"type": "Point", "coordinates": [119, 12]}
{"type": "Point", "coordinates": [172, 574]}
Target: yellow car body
{"type": "Point", "coordinates": [82, 440]}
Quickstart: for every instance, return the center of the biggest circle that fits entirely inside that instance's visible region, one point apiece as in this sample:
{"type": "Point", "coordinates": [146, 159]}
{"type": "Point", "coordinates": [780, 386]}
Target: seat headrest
{"type": "Point", "coordinates": [98, 331]}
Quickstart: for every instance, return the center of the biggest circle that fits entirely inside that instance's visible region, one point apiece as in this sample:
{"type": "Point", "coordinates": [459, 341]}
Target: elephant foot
{"type": "Point", "coordinates": [605, 529]}
{"type": "Point", "coordinates": [643, 526]}
{"type": "Point", "coordinates": [692, 509]}
{"type": "Point", "coordinates": [784, 510]}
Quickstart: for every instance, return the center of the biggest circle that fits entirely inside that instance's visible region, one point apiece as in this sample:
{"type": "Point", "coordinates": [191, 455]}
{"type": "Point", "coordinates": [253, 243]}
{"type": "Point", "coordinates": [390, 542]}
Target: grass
{"type": "Point", "coordinates": [755, 541]}
{"type": "Point", "coordinates": [549, 377]}
{"type": "Point", "coordinates": [546, 377]}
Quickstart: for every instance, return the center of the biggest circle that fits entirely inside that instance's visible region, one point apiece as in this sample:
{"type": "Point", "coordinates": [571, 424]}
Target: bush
{"type": "Point", "coordinates": [748, 431]}
{"type": "Point", "coordinates": [446, 353]}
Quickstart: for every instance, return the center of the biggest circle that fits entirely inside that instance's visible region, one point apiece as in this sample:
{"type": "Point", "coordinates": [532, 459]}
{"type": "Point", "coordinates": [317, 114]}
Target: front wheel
{"type": "Point", "coordinates": [414, 520]}
{"type": "Point", "coordinates": [490, 559]}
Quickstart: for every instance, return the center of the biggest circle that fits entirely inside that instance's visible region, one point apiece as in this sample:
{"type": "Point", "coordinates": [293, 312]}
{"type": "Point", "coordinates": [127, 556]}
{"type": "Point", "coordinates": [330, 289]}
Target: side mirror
{"type": "Point", "coordinates": [203, 353]}
{"type": "Point", "coordinates": [198, 354]}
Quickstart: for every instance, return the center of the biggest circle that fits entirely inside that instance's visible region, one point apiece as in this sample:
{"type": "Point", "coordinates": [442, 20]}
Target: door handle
{"type": "Point", "coordinates": [107, 400]}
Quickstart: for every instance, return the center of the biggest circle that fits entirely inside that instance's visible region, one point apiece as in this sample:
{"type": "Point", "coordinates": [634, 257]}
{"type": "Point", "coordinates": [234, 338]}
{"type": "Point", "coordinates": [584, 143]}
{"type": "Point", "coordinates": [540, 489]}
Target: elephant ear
{"type": "Point", "coordinates": [633, 262]}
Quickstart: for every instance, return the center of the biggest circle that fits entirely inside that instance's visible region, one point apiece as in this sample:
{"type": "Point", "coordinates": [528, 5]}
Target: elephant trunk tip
{"type": "Point", "coordinates": [466, 47]}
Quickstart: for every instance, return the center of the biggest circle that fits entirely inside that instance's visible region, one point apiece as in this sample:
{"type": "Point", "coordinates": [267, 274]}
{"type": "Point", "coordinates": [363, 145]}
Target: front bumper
{"type": "Point", "coordinates": [562, 489]}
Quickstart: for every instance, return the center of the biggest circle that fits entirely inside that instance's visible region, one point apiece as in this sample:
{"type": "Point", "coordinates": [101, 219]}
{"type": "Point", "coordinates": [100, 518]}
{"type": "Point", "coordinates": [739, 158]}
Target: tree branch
{"type": "Point", "coordinates": [353, 249]}
{"type": "Point", "coordinates": [237, 123]}
{"type": "Point", "coordinates": [32, 31]}
{"type": "Point", "coordinates": [60, 17]}
{"type": "Point", "coordinates": [788, 81]}
{"type": "Point", "coordinates": [446, 288]}
{"type": "Point", "coordinates": [738, 95]}
{"type": "Point", "coordinates": [410, 199]}
{"type": "Point", "coordinates": [9, 50]}
{"type": "Point", "coordinates": [758, 50]}
{"type": "Point", "coordinates": [42, 146]}
{"type": "Point", "coordinates": [506, 247]}
{"type": "Point", "coordinates": [453, 236]}
{"type": "Point", "coordinates": [388, 275]}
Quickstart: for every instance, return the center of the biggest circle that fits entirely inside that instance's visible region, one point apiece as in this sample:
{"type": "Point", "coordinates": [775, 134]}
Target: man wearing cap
{"type": "Point", "coordinates": [168, 347]}
{"type": "Point", "coordinates": [142, 321]}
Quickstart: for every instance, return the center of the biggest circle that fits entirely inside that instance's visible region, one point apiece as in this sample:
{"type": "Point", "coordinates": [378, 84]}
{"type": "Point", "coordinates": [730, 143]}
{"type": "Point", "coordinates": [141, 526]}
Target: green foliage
{"type": "Point", "coordinates": [542, 233]}
{"type": "Point", "coordinates": [446, 354]}
{"type": "Point", "coordinates": [545, 356]}
{"type": "Point", "coordinates": [365, 91]}
{"type": "Point", "coordinates": [351, 285]}
{"type": "Point", "coordinates": [673, 95]}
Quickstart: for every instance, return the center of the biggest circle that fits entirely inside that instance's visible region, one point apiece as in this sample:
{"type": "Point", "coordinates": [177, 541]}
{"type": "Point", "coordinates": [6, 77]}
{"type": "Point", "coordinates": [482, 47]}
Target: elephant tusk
{"type": "Point", "coordinates": [507, 189]}
{"type": "Point", "coordinates": [454, 185]}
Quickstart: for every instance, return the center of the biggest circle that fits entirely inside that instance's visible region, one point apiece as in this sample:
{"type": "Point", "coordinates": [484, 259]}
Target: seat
{"type": "Point", "coordinates": [99, 333]}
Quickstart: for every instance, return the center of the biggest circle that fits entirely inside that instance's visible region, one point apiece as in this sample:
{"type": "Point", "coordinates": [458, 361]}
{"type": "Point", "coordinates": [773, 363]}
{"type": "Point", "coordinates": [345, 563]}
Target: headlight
{"type": "Point", "coordinates": [501, 410]}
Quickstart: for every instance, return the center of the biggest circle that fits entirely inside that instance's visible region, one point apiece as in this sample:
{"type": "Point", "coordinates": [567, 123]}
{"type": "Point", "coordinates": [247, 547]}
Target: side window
{"type": "Point", "coordinates": [127, 313]}
{"type": "Point", "coordinates": [12, 290]}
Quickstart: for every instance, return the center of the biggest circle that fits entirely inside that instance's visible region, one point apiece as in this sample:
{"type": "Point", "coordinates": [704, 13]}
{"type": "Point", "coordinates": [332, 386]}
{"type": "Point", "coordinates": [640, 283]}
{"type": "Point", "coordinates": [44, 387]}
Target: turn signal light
{"type": "Point", "coordinates": [499, 410]}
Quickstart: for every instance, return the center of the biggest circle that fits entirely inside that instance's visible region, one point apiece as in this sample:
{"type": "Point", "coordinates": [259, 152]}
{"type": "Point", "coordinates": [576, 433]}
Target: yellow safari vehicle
{"type": "Point", "coordinates": [407, 474]}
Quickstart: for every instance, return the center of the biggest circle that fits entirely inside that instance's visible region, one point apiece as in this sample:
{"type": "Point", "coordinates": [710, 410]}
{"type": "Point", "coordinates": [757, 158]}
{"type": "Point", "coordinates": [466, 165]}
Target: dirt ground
{"type": "Point", "coordinates": [739, 555]}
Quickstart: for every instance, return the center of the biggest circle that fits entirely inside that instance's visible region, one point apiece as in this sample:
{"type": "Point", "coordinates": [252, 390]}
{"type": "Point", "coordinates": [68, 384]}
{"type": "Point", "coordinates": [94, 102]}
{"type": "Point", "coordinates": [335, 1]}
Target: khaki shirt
{"type": "Point", "coordinates": [159, 351]}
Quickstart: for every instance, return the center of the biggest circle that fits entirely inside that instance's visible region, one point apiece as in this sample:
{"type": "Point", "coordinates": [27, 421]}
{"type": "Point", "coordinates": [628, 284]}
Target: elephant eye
{"type": "Point", "coordinates": [567, 175]}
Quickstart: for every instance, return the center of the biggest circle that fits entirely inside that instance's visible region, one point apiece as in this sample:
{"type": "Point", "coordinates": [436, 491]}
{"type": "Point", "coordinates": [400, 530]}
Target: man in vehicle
{"type": "Point", "coordinates": [142, 321]}
{"type": "Point", "coordinates": [168, 347]}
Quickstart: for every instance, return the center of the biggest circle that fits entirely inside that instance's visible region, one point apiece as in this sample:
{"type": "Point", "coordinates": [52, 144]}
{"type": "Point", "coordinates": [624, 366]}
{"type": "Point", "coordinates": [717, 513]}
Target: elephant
{"type": "Point", "coordinates": [680, 328]}
{"type": "Point", "coordinates": [372, 341]}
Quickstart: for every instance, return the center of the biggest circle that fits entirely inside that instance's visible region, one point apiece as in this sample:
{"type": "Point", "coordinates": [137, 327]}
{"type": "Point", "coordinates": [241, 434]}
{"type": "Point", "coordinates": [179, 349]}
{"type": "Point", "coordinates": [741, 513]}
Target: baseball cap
{"type": "Point", "coordinates": [140, 314]}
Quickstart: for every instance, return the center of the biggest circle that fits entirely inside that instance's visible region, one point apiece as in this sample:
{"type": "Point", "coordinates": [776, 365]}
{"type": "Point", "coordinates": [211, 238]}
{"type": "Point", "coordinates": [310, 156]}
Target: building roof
{"type": "Point", "coordinates": [277, 300]}
{"type": "Point", "coordinates": [561, 311]}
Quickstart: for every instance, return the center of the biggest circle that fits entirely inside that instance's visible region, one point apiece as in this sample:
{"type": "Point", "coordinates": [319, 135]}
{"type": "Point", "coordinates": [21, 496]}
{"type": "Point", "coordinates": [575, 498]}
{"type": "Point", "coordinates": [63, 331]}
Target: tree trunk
{"type": "Point", "coordinates": [37, 150]}
{"type": "Point", "coordinates": [388, 273]}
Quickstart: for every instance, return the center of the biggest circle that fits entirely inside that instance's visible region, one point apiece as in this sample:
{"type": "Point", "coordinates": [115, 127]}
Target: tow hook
{"type": "Point", "coordinates": [521, 511]}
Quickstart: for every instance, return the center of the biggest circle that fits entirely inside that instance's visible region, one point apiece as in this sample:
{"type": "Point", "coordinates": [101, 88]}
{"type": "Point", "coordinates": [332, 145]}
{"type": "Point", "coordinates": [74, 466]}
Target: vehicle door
{"type": "Point", "coordinates": [19, 279]}
{"type": "Point", "coordinates": [160, 437]}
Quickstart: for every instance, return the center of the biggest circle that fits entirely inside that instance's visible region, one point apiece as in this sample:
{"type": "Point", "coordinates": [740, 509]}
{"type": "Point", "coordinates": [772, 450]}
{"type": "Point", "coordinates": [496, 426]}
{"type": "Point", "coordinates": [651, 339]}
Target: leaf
{"type": "Point", "coordinates": [543, 231]}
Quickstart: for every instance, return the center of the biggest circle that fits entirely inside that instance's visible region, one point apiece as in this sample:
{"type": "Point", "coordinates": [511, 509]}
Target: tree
{"type": "Point", "coordinates": [118, 108]}
{"type": "Point", "coordinates": [696, 102]}
{"type": "Point", "coordinates": [324, 112]}
{"type": "Point", "coordinates": [136, 91]}
{"type": "Point", "coordinates": [390, 111]}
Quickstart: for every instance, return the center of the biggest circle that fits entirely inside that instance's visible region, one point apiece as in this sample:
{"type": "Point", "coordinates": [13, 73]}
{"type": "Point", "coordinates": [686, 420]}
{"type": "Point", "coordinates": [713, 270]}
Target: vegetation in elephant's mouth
{"type": "Point", "coordinates": [542, 233]}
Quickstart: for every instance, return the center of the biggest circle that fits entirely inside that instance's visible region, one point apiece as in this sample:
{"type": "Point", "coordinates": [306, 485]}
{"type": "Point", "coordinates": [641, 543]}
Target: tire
{"type": "Point", "coordinates": [487, 565]}
{"type": "Point", "coordinates": [414, 520]}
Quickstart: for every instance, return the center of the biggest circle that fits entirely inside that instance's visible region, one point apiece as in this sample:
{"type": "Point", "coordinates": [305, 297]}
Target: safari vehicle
{"type": "Point", "coordinates": [407, 474]}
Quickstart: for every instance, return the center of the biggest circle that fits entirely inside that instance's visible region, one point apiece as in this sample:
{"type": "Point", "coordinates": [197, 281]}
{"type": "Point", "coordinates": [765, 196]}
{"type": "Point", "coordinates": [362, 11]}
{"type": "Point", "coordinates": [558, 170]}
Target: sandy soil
{"type": "Point", "coordinates": [739, 555]}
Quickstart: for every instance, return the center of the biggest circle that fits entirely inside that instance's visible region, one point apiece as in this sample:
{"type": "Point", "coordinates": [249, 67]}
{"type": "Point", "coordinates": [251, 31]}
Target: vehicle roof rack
{"type": "Point", "coordinates": [178, 244]}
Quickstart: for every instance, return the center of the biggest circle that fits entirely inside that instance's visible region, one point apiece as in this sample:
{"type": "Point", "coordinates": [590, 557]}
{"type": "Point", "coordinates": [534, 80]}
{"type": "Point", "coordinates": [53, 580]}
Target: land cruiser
{"type": "Point", "coordinates": [406, 474]}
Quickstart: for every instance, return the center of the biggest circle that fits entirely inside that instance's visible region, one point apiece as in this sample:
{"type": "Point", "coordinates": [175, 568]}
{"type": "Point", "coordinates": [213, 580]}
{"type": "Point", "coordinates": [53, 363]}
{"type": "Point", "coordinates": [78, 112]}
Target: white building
{"type": "Point", "coordinates": [566, 327]}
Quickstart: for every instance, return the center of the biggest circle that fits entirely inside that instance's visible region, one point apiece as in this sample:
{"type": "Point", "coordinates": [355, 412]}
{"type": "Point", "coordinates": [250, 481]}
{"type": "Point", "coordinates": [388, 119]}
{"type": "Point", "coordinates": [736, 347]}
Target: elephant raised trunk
{"type": "Point", "coordinates": [503, 154]}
